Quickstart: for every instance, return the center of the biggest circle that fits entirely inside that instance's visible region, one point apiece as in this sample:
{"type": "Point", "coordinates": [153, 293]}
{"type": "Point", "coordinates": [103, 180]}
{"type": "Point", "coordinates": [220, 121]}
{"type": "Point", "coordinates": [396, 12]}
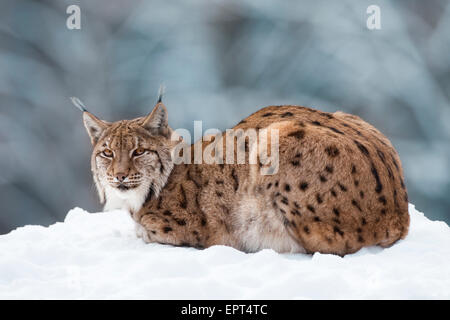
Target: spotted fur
{"type": "Point", "coordinates": [339, 187]}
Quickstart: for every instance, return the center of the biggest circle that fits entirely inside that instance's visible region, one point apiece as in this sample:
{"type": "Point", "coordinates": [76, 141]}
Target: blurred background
{"type": "Point", "coordinates": [220, 61]}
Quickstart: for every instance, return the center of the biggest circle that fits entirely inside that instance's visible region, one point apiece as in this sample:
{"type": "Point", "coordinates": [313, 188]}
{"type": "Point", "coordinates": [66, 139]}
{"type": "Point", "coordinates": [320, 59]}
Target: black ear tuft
{"type": "Point", "coordinates": [161, 91]}
{"type": "Point", "coordinates": [79, 104]}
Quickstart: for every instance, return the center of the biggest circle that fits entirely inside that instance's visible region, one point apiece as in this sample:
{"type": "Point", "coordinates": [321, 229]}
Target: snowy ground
{"type": "Point", "coordinates": [98, 256]}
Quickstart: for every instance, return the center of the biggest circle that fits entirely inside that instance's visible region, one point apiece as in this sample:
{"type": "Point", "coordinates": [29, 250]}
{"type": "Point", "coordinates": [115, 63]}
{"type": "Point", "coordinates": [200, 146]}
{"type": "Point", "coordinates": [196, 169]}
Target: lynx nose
{"type": "Point", "coordinates": [120, 177]}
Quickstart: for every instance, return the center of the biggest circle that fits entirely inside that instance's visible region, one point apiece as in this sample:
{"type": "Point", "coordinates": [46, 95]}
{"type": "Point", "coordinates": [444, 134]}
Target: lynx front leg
{"type": "Point", "coordinates": [153, 228]}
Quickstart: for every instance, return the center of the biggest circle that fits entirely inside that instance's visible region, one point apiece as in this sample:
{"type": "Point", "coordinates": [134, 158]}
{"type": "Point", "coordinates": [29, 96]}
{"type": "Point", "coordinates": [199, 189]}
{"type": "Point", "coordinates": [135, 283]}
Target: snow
{"type": "Point", "coordinates": [97, 256]}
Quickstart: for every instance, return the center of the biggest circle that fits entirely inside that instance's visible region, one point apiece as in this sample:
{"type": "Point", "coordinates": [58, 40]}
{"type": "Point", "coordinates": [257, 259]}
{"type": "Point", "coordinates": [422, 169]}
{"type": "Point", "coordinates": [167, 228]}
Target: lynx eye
{"type": "Point", "coordinates": [107, 153]}
{"type": "Point", "coordinates": [138, 152]}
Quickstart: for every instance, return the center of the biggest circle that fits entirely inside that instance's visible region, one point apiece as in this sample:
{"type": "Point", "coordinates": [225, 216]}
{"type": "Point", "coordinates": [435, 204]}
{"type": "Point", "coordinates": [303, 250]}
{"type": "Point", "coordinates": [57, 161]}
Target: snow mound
{"type": "Point", "coordinates": [97, 256]}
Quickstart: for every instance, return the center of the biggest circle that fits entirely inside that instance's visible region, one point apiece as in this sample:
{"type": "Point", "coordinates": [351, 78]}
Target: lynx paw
{"type": "Point", "coordinates": [141, 233]}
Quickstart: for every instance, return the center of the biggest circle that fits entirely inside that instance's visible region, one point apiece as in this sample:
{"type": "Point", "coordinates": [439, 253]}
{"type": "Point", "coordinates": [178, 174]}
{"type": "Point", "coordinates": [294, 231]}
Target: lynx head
{"type": "Point", "coordinates": [131, 159]}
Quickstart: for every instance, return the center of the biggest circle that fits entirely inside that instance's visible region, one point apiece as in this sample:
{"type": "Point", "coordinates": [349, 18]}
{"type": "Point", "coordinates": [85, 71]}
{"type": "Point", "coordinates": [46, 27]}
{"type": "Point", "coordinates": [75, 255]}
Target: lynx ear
{"type": "Point", "coordinates": [157, 121]}
{"type": "Point", "coordinates": [94, 126]}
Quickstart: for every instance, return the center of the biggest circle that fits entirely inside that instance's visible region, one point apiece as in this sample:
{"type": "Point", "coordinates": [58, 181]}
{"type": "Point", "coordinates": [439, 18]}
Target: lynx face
{"type": "Point", "coordinates": [131, 159]}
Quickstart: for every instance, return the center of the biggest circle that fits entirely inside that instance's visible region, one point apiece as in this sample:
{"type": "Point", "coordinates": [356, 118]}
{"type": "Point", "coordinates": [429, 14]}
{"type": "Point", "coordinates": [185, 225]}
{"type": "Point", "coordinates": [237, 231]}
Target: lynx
{"type": "Point", "coordinates": [339, 184]}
